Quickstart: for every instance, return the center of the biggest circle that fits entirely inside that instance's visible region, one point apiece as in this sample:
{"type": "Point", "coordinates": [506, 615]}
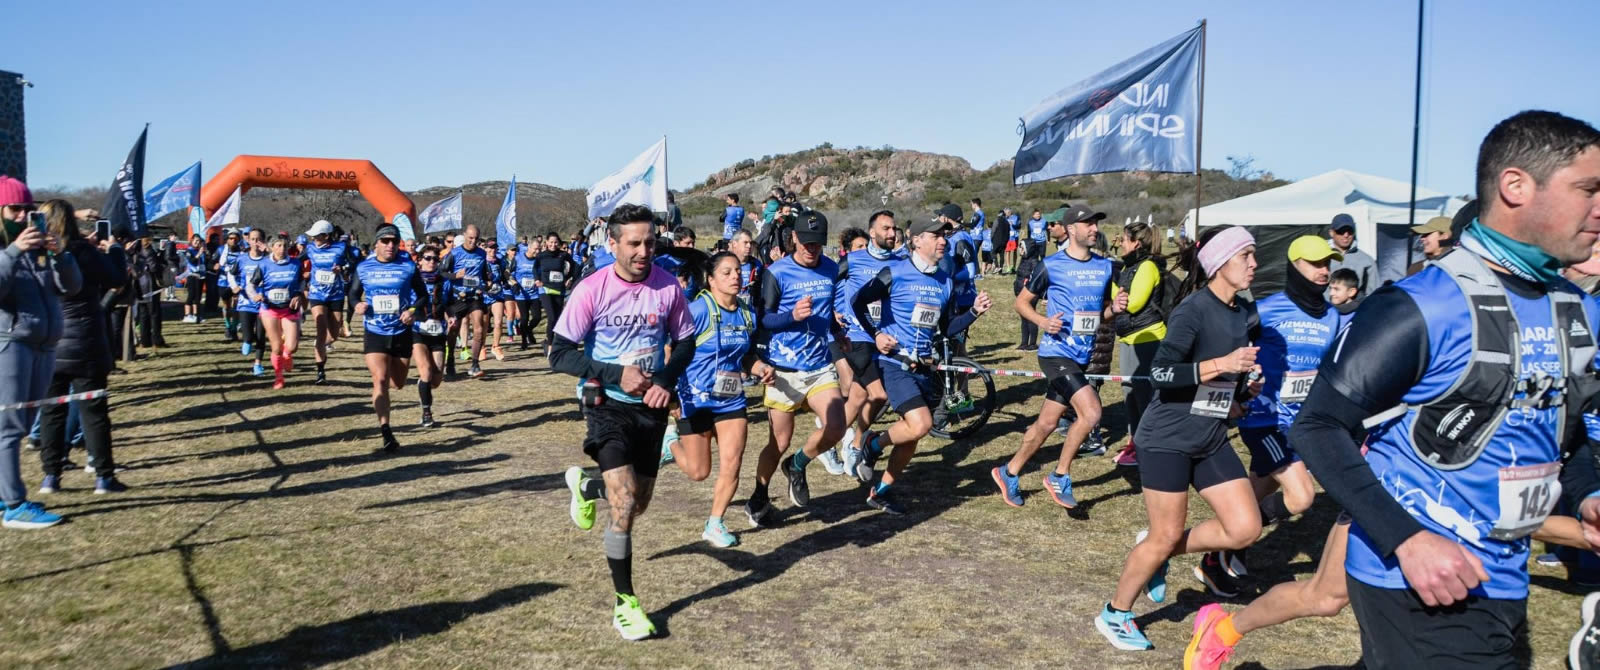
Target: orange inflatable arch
{"type": "Point", "coordinates": [309, 173]}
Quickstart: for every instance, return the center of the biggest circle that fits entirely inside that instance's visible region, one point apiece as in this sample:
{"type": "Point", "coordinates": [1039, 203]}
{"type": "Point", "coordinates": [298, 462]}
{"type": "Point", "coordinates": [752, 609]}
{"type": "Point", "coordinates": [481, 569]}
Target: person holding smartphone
{"type": "Point", "coordinates": [33, 279]}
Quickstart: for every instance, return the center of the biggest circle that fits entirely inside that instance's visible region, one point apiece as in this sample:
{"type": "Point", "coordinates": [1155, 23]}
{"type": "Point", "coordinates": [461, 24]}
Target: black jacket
{"type": "Point", "coordinates": [85, 346]}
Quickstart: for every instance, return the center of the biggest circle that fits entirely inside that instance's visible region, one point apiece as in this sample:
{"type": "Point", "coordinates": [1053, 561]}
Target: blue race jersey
{"type": "Point", "coordinates": [430, 319]}
{"type": "Point", "coordinates": [388, 289]}
{"type": "Point", "coordinates": [1078, 291]}
{"type": "Point", "coordinates": [525, 276]}
{"type": "Point", "coordinates": [858, 268]}
{"type": "Point", "coordinates": [917, 305]}
{"type": "Point", "coordinates": [244, 268]}
{"type": "Point", "coordinates": [1013, 226]}
{"type": "Point", "coordinates": [1292, 344]}
{"type": "Point", "coordinates": [1469, 503]}
{"type": "Point", "coordinates": [715, 379]}
{"type": "Point", "coordinates": [473, 263]}
{"type": "Point", "coordinates": [602, 257]}
{"type": "Point", "coordinates": [194, 263]}
{"type": "Point", "coordinates": [277, 281]}
{"type": "Point", "coordinates": [1036, 230]}
{"type": "Point", "coordinates": [330, 265]}
{"type": "Point", "coordinates": [798, 345]}
{"type": "Point", "coordinates": [962, 254]}
{"type": "Point", "coordinates": [732, 220]}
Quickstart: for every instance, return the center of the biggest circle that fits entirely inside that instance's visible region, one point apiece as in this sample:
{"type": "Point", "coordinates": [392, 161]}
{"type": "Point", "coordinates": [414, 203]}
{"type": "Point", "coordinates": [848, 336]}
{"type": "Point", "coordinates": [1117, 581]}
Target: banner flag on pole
{"type": "Point", "coordinates": [441, 216]}
{"type": "Point", "coordinates": [173, 193]}
{"type": "Point", "coordinates": [125, 205]}
{"type": "Point", "coordinates": [505, 223]}
{"type": "Point", "coordinates": [403, 222]}
{"type": "Point", "coordinates": [1141, 114]}
{"type": "Point", "coordinates": [642, 182]}
{"type": "Point", "coordinates": [197, 221]}
{"type": "Point", "coordinates": [227, 214]}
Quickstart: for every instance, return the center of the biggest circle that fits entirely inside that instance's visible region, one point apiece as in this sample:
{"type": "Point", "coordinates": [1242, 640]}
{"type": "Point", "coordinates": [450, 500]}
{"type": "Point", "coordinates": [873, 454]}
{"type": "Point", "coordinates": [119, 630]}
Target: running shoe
{"type": "Point", "coordinates": [1233, 562]}
{"type": "Point", "coordinates": [869, 458]}
{"type": "Point", "coordinates": [465, 355]}
{"type": "Point", "coordinates": [28, 516]}
{"type": "Point", "coordinates": [104, 485]}
{"type": "Point", "coordinates": [51, 484]}
{"type": "Point", "coordinates": [582, 511]}
{"type": "Point", "coordinates": [288, 364]}
{"type": "Point", "coordinates": [1584, 651]}
{"type": "Point", "coordinates": [277, 384]}
{"type": "Point", "coordinates": [958, 405]}
{"type": "Point", "coordinates": [666, 444]}
{"type": "Point", "coordinates": [630, 620]}
{"type": "Point", "coordinates": [1127, 457]}
{"type": "Point", "coordinates": [758, 515]}
{"type": "Point", "coordinates": [499, 355]}
{"type": "Point", "coordinates": [1062, 425]}
{"type": "Point", "coordinates": [1094, 445]}
{"type": "Point", "coordinates": [390, 444]}
{"type": "Point", "coordinates": [1206, 650]}
{"type": "Point", "coordinates": [257, 370]}
{"type": "Point", "coordinates": [799, 490]}
{"type": "Point", "coordinates": [1548, 560]}
{"type": "Point", "coordinates": [1010, 486]}
{"type": "Point", "coordinates": [884, 502]}
{"type": "Point", "coordinates": [1156, 588]}
{"type": "Point", "coordinates": [1060, 488]}
{"type": "Point", "coordinates": [30, 444]}
{"type": "Point", "coordinates": [718, 535]}
{"type": "Point", "coordinates": [849, 437]}
{"type": "Point", "coordinates": [1211, 573]}
{"type": "Point", "coordinates": [1121, 630]}
{"type": "Point", "coordinates": [852, 458]}
{"type": "Point", "coordinates": [322, 378]}
{"type": "Point", "coordinates": [244, 349]}
{"type": "Point", "coordinates": [427, 419]}
{"type": "Point", "coordinates": [831, 462]}
{"type": "Point", "coordinates": [475, 372]}
{"type": "Point", "coordinates": [199, 319]}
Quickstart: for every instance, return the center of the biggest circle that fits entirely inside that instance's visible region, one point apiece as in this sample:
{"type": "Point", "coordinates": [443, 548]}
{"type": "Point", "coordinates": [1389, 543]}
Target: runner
{"type": "Point", "coordinates": [275, 283]}
{"type": "Point", "coordinates": [467, 269]}
{"type": "Point", "coordinates": [194, 278]}
{"type": "Point", "coordinates": [797, 293]}
{"type": "Point", "coordinates": [251, 331]}
{"type": "Point", "coordinates": [711, 394]}
{"type": "Point", "coordinates": [493, 289]}
{"type": "Point", "coordinates": [226, 264]}
{"type": "Point", "coordinates": [1437, 556]}
{"type": "Point", "coordinates": [428, 323]}
{"type": "Point", "coordinates": [395, 295]}
{"type": "Point", "coordinates": [1077, 285]}
{"type": "Point", "coordinates": [862, 381]}
{"type": "Point", "coordinates": [743, 246]}
{"type": "Point", "coordinates": [732, 217]}
{"type": "Point", "coordinates": [1014, 229]}
{"type": "Point", "coordinates": [330, 263]}
{"type": "Point", "coordinates": [622, 317]}
{"type": "Point", "coordinates": [525, 281]}
{"type": "Point", "coordinates": [918, 294]}
{"type": "Point", "coordinates": [1183, 438]}
{"type": "Point", "coordinates": [557, 273]}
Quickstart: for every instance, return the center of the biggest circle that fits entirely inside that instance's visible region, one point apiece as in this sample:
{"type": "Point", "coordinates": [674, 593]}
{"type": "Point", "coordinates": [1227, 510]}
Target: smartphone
{"type": "Point", "coordinates": [102, 230]}
{"type": "Point", "coordinates": [40, 222]}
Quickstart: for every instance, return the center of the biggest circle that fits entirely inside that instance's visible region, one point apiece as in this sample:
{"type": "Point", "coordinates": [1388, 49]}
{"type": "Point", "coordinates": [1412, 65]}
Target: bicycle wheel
{"type": "Point", "coordinates": [967, 400]}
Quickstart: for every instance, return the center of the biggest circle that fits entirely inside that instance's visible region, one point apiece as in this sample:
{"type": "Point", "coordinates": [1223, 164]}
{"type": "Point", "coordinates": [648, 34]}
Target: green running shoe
{"type": "Point", "coordinates": [630, 620]}
{"type": "Point", "coordinates": [582, 510]}
{"type": "Point", "coordinates": [959, 404]}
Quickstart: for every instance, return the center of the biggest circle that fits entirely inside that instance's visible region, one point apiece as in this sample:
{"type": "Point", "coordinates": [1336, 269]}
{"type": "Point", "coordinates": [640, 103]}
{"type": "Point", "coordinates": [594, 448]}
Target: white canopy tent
{"type": "Point", "coordinates": [1380, 207]}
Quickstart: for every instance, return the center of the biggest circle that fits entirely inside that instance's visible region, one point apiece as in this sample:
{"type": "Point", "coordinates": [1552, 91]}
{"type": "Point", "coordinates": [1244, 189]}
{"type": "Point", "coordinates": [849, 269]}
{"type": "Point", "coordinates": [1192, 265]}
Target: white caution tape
{"type": "Point", "coordinates": [58, 400]}
{"type": "Point", "coordinates": [1036, 375]}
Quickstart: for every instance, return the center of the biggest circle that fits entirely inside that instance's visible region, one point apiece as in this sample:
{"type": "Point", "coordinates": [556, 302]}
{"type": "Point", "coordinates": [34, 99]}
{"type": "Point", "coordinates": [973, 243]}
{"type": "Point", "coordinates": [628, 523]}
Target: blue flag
{"type": "Point", "coordinates": [442, 215]}
{"type": "Point", "coordinates": [505, 223]}
{"type": "Point", "coordinates": [1140, 114]}
{"type": "Point", "coordinates": [173, 193]}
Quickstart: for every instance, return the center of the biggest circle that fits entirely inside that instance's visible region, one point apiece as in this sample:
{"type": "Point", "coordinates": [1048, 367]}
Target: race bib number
{"type": "Point", "coordinates": [432, 327]}
{"type": "Point", "coordinates": [385, 304]}
{"type": "Point", "coordinates": [1527, 494]}
{"type": "Point", "coordinates": [727, 385]}
{"type": "Point", "coordinates": [875, 311]}
{"type": "Point", "coordinates": [1213, 400]}
{"type": "Point", "coordinates": [1297, 385]}
{"type": "Point", "coordinates": [528, 283]}
{"type": "Point", "coordinates": [644, 359]}
{"type": "Point", "coordinates": [278, 296]}
{"type": "Point", "coordinates": [323, 276]}
{"type": "Point", "coordinates": [1085, 323]}
{"type": "Point", "coordinates": [924, 316]}
{"type": "Point", "coordinates": [469, 282]}
{"type": "Point", "coordinates": [555, 277]}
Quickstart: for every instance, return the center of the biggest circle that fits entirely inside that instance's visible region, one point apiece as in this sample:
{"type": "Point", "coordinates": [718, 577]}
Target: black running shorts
{"type": "Point", "coordinates": [395, 346]}
{"type": "Point", "coordinates": [706, 420]}
{"type": "Point", "coordinates": [1065, 376]}
{"type": "Point", "coordinates": [625, 434]}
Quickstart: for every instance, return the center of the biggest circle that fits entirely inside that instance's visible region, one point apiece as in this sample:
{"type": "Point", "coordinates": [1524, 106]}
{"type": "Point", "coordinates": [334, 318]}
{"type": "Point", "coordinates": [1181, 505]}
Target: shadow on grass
{"type": "Point", "coordinates": [529, 484]}
{"type": "Point", "coordinates": [312, 646]}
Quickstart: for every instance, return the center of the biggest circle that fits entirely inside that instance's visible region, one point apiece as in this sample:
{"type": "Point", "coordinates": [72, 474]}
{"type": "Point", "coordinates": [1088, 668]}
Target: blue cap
{"type": "Point", "coordinates": [1342, 221]}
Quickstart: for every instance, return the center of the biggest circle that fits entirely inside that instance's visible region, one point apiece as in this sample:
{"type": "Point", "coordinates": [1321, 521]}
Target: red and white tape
{"type": "Point", "coordinates": [1035, 375]}
{"type": "Point", "coordinates": [58, 400]}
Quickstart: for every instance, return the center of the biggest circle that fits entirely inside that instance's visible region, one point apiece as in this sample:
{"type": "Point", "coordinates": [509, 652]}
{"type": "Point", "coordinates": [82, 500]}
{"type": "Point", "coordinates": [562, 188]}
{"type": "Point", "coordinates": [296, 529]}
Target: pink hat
{"type": "Point", "coordinates": [14, 192]}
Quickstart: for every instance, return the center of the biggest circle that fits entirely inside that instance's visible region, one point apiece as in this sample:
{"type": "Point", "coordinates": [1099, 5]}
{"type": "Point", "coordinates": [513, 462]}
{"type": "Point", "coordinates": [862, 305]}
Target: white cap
{"type": "Point", "coordinates": [321, 227]}
{"type": "Point", "coordinates": [461, 239]}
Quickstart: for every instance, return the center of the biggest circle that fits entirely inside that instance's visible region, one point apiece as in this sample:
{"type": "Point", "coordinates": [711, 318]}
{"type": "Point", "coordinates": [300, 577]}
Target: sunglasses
{"type": "Point", "coordinates": [387, 240]}
{"type": "Point", "coordinates": [24, 208]}
{"type": "Point", "coordinates": [430, 258]}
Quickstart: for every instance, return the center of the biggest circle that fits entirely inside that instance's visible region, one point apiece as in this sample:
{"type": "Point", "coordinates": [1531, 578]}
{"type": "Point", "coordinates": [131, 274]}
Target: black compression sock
{"type": "Point", "coordinates": [1273, 510]}
{"type": "Point", "coordinates": [592, 489]}
{"type": "Point", "coordinates": [760, 494]}
{"type": "Point", "coordinates": [621, 575]}
{"type": "Point", "coordinates": [321, 367]}
{"type": "Point", "coordinates": [387, 434]}
{"type": "Point", "coordinates": [425, 391]}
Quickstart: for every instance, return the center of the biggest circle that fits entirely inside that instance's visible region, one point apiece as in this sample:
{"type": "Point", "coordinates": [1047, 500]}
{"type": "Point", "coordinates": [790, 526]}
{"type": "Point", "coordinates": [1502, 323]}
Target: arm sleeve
{"type": "Point", "coordinates": [771, 297]}
{"type": "Point", "coordinates": [1392, 337]}
{"type": "Point", "coordinates": [873, 291]}
{"type": "Point", "coordinates": [355, 289]}
{"type": "Point", "coordinates": [419, 289]}
{"type": "Point", "coordinates": [1143, 284]}
{"type": "Point", "coordinates": [447, 265]}
{"type": "Point", "coordinates": [567, 357]}
{"type": "Point", "coordinates": [1171, 367]}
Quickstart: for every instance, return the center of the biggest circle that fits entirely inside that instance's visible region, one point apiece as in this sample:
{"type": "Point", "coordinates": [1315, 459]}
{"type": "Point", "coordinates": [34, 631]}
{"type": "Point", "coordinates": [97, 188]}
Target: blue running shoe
{"type": "Point", "coordinates": [1010, 490]}
{"type": "Point", "coordinates": [244, 349]}
{"type": "Point", "coordinates": [1060, 488]}
{"type": "Point", "coordinates": [869, 458]}
{"type": "Point", "coordinates": [1121, 631]}
{"type": "Point", "coordinates": [257, 370]}
{"type": "Point", "coordinates": [51, 484]}
{"type": "Point", "coordinates": [29, 515]}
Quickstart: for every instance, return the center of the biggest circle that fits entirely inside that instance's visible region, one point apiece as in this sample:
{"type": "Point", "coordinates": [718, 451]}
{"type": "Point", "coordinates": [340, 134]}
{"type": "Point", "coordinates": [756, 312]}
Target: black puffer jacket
{"type": "Point", "coordinates": [85, 346]}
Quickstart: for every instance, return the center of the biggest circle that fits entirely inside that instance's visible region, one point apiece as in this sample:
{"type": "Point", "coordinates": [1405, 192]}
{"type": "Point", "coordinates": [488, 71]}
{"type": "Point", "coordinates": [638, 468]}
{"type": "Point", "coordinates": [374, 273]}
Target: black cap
{"type": "Point", "coordinates": [1342, 221]}
{"type": "Point", "coordinates": [386, 230]}
{"type": "Point", "coordinates": [1080, 213]}
{"type": "Point", "coordinates": [950, 211]}
{"type": "Point", "coordinates": [935, 226]}
{"type": "Point", "coordinates": [811, 227]}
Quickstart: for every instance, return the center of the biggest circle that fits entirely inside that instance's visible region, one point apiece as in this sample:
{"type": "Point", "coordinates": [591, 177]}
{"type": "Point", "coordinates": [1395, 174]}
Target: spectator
{"type": "Point", "coordinates": [732, 217]}
{"type": "Point", "coordinates": [148, 268]}
{"type": "Point", "coordinates": [120, 301]}
{"type": "Point", "coordinates": [674, 215]}
{"type": "Point", "coordinates": [33, 278]}
{"type": "Point", "coordinates": [82, 358]}
{"type": "Point", "coordinates": [770, 210]}
{"type": "Point", "coordinates": [1435, 238]}
{"type": "Point", "coordinates": [1342, 233]}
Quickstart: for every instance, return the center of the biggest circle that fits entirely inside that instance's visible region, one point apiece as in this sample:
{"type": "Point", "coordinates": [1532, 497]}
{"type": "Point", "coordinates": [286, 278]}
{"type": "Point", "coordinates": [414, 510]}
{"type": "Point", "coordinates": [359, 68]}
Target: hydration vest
{"type": "Point", "coordinates": [1451, 431]}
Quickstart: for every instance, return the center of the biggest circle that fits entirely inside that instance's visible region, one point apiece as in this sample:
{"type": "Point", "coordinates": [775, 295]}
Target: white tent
{"type": "Point", "coordinates": [1379, 206]}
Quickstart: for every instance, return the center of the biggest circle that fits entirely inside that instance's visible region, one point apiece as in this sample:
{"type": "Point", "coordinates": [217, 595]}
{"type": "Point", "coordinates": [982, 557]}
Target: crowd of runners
{"type": "Point", "coordinates": [1451, 412]}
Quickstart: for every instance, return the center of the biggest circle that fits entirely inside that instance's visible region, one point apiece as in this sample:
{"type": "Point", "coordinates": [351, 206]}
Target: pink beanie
{"type": "Point", "coordinates": [1222, 247]}
{"type": "Point", "coordinates": [14, 192]}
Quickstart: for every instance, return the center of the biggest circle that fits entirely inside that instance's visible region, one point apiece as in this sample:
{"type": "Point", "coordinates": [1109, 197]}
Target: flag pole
{"type": "Point", "coordinates": [1416, 138]}
{"type": "Point", "coordinates": [1199, 126]}
{"type": "Point", "coordinates": [664, 179]}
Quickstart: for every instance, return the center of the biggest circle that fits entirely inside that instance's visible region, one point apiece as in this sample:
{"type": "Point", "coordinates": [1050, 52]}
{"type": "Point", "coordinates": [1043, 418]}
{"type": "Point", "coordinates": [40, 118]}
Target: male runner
{"type": "Point", "coordinates": [394, 295]}
{"type": "Point", "coordinates": [251, 331]}
{"type": "Point", "coordinates": [866, 396]}
{"type": "Point", "coordinates": [330, 268]}
{"type": "Point", "coordinates": [467, 268]}
{"type": "Point", "coordinates": [624, 317]}
{"type": "Point", "coordinates": [1077, 285]}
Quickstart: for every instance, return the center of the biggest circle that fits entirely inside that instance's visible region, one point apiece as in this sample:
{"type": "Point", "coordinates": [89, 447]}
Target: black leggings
{"type": "Point", "coordinates": [552, 304]}
{"type": "Point", "coordinates": [532, 312]}
{"type": "Point", "coordinates": [92, 415]}
{"type": "Point", "coordinates": [251, 331]}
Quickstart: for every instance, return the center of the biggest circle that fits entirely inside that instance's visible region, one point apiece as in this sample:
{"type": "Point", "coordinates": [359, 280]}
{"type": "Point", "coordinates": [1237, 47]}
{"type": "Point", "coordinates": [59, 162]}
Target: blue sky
{"type": "Point", "coordinates": [445, 93]}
